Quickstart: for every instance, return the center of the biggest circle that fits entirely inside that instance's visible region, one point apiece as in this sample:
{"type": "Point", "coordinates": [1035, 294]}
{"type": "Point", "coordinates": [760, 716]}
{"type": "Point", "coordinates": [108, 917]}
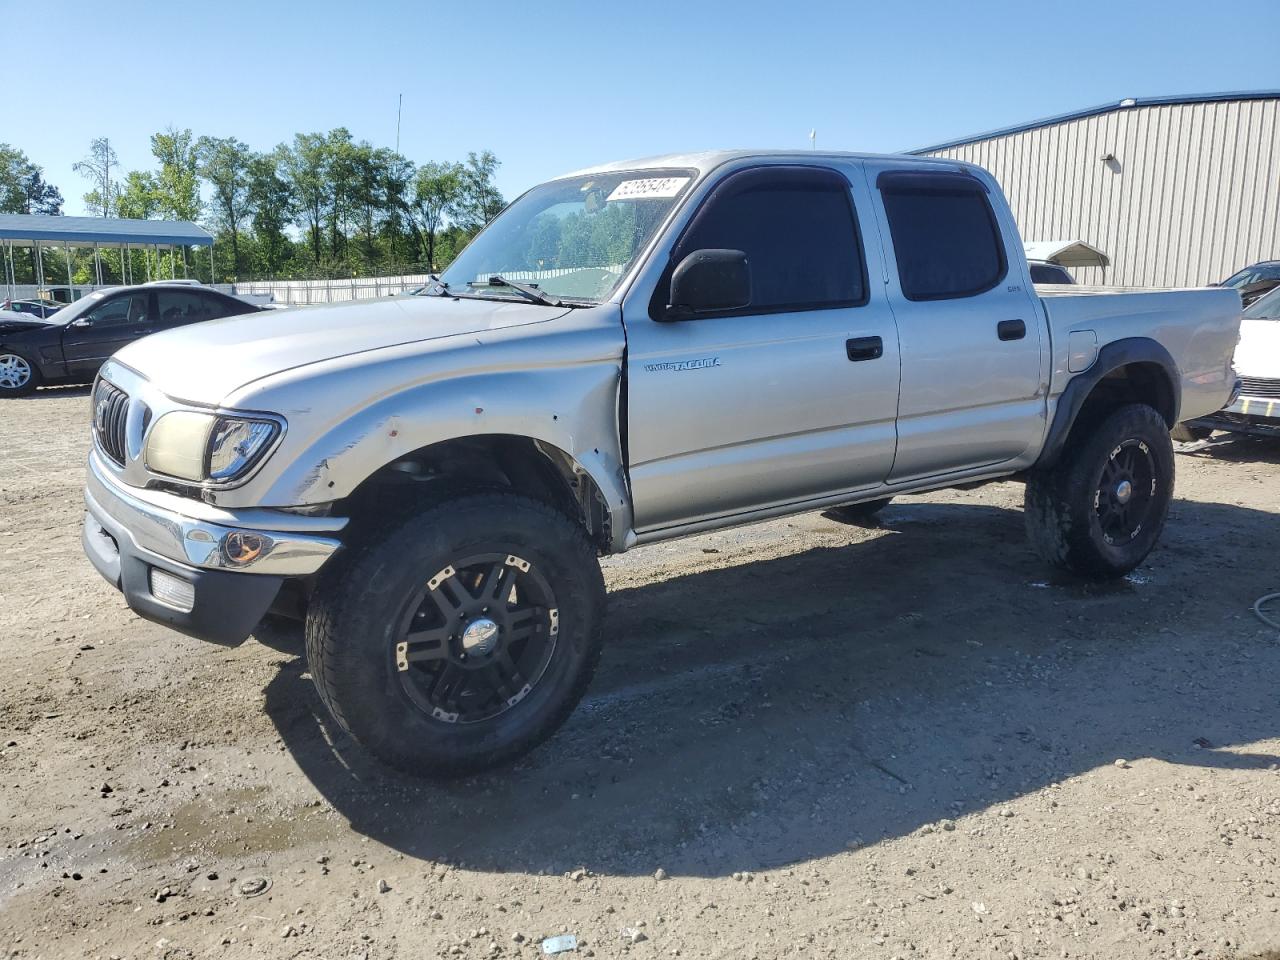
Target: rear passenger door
{"type": "Point", "coordinates": [970, 329]}
{"type": "Point", "coordinates": [789, 398]}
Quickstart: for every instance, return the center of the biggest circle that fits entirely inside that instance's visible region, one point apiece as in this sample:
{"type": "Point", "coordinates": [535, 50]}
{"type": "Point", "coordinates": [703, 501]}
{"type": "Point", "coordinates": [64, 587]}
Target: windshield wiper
{"type": "Point", "coordinates": [527, 290]}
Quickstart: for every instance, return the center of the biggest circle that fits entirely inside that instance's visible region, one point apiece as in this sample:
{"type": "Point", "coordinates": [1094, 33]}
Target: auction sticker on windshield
{"type": "Point", "coordinates": [653, 188]}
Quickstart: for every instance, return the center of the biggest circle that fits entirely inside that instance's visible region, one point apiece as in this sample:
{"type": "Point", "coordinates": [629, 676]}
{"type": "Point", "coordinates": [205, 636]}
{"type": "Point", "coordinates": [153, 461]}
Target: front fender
{"type": "Point", "coordinates": [331, 447]}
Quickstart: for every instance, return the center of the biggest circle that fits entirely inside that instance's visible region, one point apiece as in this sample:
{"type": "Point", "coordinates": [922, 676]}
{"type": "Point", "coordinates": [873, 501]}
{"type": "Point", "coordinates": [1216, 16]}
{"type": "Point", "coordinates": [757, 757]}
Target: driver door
{"type": "Point", "coordinates": [115, 322]}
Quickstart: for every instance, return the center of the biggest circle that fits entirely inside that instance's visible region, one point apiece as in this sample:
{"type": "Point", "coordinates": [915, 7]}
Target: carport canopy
{"type": "Point", "coordinates": [38, 231]}
{"type": "Point", "coordinates": [1066, 253]}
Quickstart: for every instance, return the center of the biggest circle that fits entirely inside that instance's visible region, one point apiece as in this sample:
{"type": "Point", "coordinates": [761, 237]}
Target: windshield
{"type": "Point", "coordinates": [1255, 274]}
{"type": "Point", "coordinates": [1265, 308]}
{"type": "Point", "coordinates": [571, 239]}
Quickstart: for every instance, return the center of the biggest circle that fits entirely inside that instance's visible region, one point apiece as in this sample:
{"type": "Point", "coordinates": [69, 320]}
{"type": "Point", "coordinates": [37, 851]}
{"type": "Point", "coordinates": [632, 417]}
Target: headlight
{"type": "Point", "coordinates": [177, 443]}
{"type": "Point", "coordinates": [201, 446]}
{"type": "Point", "coordinates": [236, 444]}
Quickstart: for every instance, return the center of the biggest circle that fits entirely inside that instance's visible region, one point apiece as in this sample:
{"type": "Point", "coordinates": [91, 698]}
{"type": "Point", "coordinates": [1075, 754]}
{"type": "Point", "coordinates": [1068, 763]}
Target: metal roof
{"type": "Point", "coordinates": [1126, 104]}
{"type": "Point", "coordinates": [1066, 253]}
{"type": "Point", "coordinates": [105, 231]}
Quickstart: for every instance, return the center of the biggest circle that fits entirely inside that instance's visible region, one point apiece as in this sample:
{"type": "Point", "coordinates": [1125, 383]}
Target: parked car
{"type": "Point", "coordinates": [69, 346]}
{"type": "Point", "coordinates": [34, 308]}
{"type": "Point", "coordinates": [1255, 408]}
{"type": "Point", "coordinates": [627, 354]}
{"type": "Point", "coordinates": [1044, 272]}
{"type": "Point", "coordinates": [1254, 281]}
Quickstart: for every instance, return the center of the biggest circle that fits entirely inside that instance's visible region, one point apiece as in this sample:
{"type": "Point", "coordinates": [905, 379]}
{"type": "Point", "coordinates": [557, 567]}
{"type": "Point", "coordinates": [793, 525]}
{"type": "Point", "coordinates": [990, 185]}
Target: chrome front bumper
{"type": "Point", "coordinates": [196, 534]}
{"type": "Point", "coordinates": [174, 559]}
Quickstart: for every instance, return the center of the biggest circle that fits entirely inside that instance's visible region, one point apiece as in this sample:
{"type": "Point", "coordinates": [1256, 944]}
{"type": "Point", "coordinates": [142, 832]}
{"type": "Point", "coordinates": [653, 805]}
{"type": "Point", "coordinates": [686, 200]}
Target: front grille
{"type": "Point", "coordinates": [1260, 387]}
{"type": "Point", "coordinates": [110, 410]}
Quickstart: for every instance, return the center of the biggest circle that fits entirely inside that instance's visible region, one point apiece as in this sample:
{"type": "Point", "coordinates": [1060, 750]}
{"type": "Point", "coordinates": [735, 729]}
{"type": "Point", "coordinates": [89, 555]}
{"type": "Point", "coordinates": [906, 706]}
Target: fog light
{"type": "Point", "coordinates": [242, 548]}
{"type": "Point", "coordinates": [172, 591]}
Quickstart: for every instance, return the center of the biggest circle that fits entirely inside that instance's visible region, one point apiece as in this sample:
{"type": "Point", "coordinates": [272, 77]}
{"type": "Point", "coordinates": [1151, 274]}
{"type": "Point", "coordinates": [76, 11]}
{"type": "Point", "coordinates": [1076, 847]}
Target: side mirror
{"type": "Point", "coordinates": [707, 281]}
{"type": "Point", "coordinates": [82, 322]}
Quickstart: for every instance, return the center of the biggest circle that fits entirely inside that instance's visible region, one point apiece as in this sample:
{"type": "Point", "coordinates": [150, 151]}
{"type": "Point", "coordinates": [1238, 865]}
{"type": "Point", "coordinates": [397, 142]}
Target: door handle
{"type": "Point", "coordinates": [1011, 329]}
{"type": "Point", "coordinates": [864, 348]}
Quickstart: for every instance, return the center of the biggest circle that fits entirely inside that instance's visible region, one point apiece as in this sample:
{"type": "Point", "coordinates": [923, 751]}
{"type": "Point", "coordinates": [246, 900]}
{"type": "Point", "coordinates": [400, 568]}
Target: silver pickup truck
{"type": "Point", "coordinates": [627, 354]}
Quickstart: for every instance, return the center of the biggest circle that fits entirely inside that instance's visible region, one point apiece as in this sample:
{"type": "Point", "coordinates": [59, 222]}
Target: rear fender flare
{"type": "Point", "coordinates": [1113, 356]}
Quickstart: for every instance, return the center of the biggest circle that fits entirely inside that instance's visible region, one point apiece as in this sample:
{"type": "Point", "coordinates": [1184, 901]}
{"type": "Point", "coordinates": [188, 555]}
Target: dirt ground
{"type": "Point", "coordinates": [805, 739]}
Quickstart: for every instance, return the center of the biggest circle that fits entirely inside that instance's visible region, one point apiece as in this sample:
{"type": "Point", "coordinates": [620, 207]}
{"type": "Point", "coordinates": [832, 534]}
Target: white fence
{"type": "Point", "coordinates": [278, 291]}
{"type": "Point", "coordinates": [325, 291]}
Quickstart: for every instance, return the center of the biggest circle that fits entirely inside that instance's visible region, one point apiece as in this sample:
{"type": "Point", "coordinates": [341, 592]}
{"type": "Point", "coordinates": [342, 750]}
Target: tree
{"type": "Point", "coordinates": [306, 168]}
{"type": "Point", "coordinates": [480, 201]}
{"type": "Point", "coordinates": [96, 168]}
{"type": "Point", "coordinates": [177, 181]}
{"type": "Point", "coordinates": [22, 185]}
{"type": "Point", "coordinates": [437, 191]}
{"type": "Point", "coordinates": [272, 202]}
{"type": "Point", "coordinates": [224, 162]}
{"type": "Point", "coordinates": [139, 198]}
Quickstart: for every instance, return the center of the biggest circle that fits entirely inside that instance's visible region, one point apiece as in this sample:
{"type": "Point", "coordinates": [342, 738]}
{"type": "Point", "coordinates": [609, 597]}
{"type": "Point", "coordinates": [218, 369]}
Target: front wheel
{"type": "Point", "coordinates": [19, 377]}
{"type": "Point", "coordinates": [463, 638]}
{"type": "Point", "coordinates": [1100, 509]}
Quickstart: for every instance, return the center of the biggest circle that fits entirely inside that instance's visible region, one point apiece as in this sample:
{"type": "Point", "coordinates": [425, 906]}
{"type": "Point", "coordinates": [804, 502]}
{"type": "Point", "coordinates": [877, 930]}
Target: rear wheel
{"type": "Point", "coordinates": [463, 638]}
{"type": "Point", "coordinates": [1100, 509]}
{"type": "Point", "coordinates": [18, 375]}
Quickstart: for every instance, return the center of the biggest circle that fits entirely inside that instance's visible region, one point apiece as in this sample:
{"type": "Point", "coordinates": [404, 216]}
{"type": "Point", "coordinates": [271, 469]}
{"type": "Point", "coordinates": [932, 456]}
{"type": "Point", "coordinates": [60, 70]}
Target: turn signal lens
{"type": "Point", "coordinates": [243, 548]}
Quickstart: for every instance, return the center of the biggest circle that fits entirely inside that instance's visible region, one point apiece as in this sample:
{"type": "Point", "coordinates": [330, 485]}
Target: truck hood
{"type": "Point", "coordinates": [205, 362]}
{"type": "Point", "coordinates": [1258, 354]}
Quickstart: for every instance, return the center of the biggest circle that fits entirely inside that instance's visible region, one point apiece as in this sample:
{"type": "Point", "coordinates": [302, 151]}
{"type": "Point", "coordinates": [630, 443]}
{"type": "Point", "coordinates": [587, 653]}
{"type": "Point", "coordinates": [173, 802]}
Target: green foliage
{"type": "Point", "coordinates": [22, 185]}
{"type": "Point", "coordinates": [177, 180]}
{"type": "Point", "coordinates": [96, 168]}
{"type": "Point", "coordinates": [139, 198]}
{"type": "Point", "coordinates": [321, 204]}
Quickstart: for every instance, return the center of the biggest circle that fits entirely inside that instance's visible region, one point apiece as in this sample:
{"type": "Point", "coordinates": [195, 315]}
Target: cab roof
{"type": "Point", "coordinates": [708, 160]}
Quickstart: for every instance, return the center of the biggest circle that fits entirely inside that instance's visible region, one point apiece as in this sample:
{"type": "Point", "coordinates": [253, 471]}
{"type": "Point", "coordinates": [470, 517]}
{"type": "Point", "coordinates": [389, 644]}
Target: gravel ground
{"type": "Point", "coordinates": [805, 739]}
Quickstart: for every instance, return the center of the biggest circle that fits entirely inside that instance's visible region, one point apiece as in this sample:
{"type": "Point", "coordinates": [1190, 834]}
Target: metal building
{"type": "Point", "coordinates": [1177, 190]}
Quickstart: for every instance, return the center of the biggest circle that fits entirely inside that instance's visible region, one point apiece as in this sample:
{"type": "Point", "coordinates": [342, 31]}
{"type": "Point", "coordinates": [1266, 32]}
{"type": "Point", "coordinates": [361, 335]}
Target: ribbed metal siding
{"type": "Point", "coordinates": [1192, 195]}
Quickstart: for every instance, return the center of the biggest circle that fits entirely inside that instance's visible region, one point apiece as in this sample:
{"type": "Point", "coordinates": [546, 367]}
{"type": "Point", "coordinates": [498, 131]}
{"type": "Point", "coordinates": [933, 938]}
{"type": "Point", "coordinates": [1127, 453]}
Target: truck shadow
{"type": "Point", "coordinates": [786, 706]}
{"type": "Point", "coordinates": [1239, 448]}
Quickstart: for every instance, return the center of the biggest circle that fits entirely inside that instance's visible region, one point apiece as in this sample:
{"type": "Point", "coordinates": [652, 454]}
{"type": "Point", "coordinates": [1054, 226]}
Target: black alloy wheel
{"type": "Point", "coordinates": [477, 638]}
{"type": "Point", "coordinates": [1126, 491]}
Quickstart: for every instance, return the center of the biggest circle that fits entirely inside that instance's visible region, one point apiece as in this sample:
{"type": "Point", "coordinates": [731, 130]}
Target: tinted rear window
{"type": "Point", "coordinates": [945, 236]}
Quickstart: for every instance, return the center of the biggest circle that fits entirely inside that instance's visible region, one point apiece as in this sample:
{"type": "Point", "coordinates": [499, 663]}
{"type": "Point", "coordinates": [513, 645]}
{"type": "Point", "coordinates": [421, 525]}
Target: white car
{"type": "Point", "coordinates": [1256, 408]}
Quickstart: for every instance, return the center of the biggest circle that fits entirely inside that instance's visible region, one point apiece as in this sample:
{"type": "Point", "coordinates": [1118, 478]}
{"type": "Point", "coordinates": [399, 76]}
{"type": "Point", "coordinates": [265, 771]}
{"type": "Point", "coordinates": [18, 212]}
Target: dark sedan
{"type": "Point", "coordinates": [69, 346]}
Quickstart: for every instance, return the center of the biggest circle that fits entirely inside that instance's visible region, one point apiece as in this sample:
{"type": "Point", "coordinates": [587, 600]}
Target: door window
{"type": "Point", "coordinates": [798, 229]}
{"type": "Point", "coordinates": [945, 235]}
{"type": "Point", "coordinates": [179, 307]}
{"type": "Point", "coordinates": [120, 311]}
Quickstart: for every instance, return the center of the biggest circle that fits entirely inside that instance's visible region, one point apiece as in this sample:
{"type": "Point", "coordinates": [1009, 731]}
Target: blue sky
{"type": "Point", "coordinates": [560, 84]}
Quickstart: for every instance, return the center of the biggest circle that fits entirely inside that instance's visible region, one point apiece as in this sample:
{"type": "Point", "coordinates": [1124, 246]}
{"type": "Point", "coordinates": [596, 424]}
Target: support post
{"type": "Point", "coordinates": [66, 248]}
{"type": "Point", "coordinates": [97, 264]}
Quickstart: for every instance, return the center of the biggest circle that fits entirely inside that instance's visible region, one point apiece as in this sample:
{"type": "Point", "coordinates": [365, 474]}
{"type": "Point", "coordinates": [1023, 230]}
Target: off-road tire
{"type": "Point", "coordinates": [859, 513]}
{"type": "Point", "coordinates": [1063, 502]}
{"type": "Point", "coordinates": [33, 381]}
{"type": "Point", "coordinates": [364, 597]}
{"type": "Point", "coordinates": [1184, 433]}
